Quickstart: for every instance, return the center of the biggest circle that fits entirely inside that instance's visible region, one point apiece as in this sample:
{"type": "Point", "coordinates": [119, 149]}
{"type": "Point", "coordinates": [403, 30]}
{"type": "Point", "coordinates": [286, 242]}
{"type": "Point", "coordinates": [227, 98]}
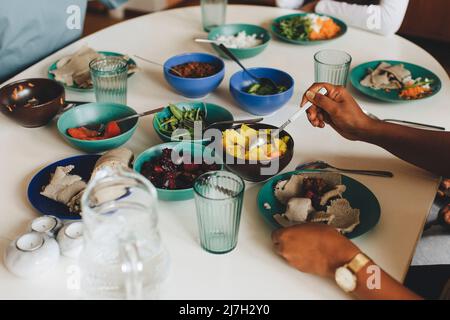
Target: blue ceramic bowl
{"type": "Point", "coordinates": [194, 87]}
{"type": "Point", "coordinates": [195, 149]}
{"type": "Point", "coordinates": [261, 105]}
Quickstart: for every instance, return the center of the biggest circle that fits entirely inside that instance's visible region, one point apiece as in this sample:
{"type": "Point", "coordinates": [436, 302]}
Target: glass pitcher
{"type": "Point", "coordinates": [123, 256]}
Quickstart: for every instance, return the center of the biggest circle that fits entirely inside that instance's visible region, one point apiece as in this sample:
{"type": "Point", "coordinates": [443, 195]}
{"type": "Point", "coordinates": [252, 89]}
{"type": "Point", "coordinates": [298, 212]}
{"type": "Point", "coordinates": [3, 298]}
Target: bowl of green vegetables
{"type": "Point", "coordinates": [259, 98]}
{"type": "Point", "coordinates": [177, 121]}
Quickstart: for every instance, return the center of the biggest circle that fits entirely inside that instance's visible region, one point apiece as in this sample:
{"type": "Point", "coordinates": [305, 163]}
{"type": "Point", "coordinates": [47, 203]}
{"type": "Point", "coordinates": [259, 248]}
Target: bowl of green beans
{"type": "Point", "coordinates": [187, 120]}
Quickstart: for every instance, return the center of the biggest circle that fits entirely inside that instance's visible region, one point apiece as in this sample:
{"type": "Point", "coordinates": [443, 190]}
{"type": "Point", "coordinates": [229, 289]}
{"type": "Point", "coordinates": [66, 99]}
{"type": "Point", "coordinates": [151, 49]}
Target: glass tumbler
{"type": "Point", "coordinates": [218, 199]}
{"type": "Point", "coordinates": [213, 13]}
{"type": "Point", "coordinates": [332, 66]}
{"type": "Point", "coordinates": [109, 75]}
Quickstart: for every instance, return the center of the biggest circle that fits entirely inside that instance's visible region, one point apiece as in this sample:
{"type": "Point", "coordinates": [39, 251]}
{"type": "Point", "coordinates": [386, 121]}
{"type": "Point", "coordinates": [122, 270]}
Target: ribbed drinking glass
{"type": "Point", "coordinates": [109, 75]}
{"type": "Point", "coordinates": [332, 66]}
{"type": "Point", "coordinates": [213, 13]}
{"type": "Point", "coordinates": [218, 198]}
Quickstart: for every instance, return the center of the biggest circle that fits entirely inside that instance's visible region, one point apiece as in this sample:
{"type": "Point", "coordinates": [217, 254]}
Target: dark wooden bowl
{"type": "Point", "coordinates": [251, 170]}
{"type": "Point", "coordinates": [17, 101]}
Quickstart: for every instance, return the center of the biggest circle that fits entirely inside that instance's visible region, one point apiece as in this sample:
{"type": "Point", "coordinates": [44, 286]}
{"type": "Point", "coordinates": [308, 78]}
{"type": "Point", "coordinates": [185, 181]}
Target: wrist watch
{"type": "Point", "coordinates": [345, 276]}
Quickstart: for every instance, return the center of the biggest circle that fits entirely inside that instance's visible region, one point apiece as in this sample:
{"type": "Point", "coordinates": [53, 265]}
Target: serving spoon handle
{"type": "Point", "coordinates": [159, 64]}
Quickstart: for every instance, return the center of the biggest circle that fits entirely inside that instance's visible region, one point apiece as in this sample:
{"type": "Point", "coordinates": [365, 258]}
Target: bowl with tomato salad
{"type": "Point", "coordinates": [73, 125]}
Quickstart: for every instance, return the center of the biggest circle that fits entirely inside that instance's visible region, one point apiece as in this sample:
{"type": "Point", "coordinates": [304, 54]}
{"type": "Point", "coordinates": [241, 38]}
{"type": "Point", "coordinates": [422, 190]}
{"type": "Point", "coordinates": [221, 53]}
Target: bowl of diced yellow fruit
{"type": "Point", "coordinates": [258, 163]}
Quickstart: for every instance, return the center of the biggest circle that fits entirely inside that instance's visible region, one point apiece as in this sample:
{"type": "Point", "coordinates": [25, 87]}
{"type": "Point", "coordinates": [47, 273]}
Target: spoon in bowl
{"type": "Point", "coordinates": [160, 64]}
{"type": "Point", "coordinates": [262, 81]}
{"type": "Point", "coordinates": [100, 127]}
{"type": "Point", "coordinates": [259, 141]}
{"type": "Point", "coordinates": [207, 41]}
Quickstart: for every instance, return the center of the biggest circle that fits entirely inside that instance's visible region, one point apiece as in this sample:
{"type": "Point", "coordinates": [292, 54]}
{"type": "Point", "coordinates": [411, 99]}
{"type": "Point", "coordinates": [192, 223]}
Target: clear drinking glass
{"type": "Point", "coordinates": [332, 66]}
{"type": "Point", "coordinates": [218, 198]}
{"type": "Point", "coordinates": [123, 256]}
{"type": "Point", "coordinates": [213, 13]}
{"type": "Point", "coordinates": [109, 75]}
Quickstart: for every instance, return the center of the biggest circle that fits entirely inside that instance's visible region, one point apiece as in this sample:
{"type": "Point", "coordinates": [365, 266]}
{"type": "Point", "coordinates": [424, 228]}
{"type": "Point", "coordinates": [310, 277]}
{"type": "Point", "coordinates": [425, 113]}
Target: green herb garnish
{"type": "Point", "coordinates": [264, 89]}
{"type": "Point", "coordinates": [295, 28]}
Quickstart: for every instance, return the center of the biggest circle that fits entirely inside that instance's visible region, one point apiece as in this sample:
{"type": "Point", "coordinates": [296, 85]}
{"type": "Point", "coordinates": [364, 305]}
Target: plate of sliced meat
{"type": "Point", "coordinates": [395, 81]}
{"type": "Point", "coordinates": [56, 190]}
{"type": "Point", "coordinates": [319, 197]}
{"type": "Point", "coordinates": [73, 70]}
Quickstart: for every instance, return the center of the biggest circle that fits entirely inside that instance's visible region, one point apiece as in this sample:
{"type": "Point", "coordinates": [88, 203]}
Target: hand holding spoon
{"type": "Point", "coordinates": [259, 141]}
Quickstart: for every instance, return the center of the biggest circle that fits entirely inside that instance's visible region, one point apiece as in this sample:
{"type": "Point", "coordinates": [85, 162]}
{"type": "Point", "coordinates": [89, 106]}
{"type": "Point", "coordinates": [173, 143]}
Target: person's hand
{"type": "Point", "coordinates": [314, 248]}
{"type": "Point", "coordinates": [310, 7]}
{"type": "Point", "coordinates": [338, 109]}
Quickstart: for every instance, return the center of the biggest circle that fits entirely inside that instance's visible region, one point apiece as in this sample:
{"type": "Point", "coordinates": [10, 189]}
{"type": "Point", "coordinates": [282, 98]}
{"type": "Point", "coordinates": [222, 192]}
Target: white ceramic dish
{"type": "Point", "coordinates": [50, 225]}
{"type": "Point", "coordinates": [31, 255]}
{"type": "Point", "coordinates": [70, 239]}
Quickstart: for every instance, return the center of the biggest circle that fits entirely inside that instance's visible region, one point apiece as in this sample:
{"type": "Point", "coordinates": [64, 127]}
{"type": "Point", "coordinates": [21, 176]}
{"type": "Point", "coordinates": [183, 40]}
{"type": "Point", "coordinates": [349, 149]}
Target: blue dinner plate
{"type": "Point", "coordinates": [84, 165]}
{"type": "Point", "coordinates": [356, 193]}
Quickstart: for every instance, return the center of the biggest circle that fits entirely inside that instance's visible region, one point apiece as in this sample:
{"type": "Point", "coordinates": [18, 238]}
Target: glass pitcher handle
{"type": "Point", "coordinates": [132, 268]}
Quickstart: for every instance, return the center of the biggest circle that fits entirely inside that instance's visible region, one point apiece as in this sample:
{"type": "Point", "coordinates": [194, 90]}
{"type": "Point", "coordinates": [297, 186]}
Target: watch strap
{"type": "Point", "coordinates": [358, 262]}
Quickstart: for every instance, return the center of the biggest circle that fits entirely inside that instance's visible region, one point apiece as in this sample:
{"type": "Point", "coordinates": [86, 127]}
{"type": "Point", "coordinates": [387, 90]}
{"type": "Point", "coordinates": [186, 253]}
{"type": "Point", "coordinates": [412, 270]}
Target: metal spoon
{"type": "Point", "coordinates": [262, 81]}
{"type": "Point", "coordinates": [207, 41]}
{"type": "Point", "coordinates": [416, 124]}
{"type": "Point", "coordinates": [100, 127]}
{"type": "Point", "coordinates": [324, 165]}
{"type": "Point", "coordinates": [226, 124]}
{"type": "Point", "coordinates": [159, 64]}
{"type": "Point", "coordinates": [259, 141]}
{"type": "Point", "coordinates": [232, 122]}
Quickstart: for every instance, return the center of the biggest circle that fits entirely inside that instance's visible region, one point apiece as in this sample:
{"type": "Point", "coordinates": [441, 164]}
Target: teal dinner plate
{"type": "Point", "coordinates": [357, 194]}
{"type": "Point", "coordinates": [74, 87]}
{"type": "Point", "coordinates": [359, 72]}
{"type": "Point", "coordinates": [276, 30]}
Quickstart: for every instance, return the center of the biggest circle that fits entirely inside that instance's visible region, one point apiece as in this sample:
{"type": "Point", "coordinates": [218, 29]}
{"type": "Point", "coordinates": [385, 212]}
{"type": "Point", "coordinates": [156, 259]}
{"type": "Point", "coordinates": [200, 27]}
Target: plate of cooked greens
{"type": "Point", "coordinates": [394, 81]}
{"type": "Point", "coordinates": [308, 28]}
{"type": "Point", "coordinates": [176, 122]}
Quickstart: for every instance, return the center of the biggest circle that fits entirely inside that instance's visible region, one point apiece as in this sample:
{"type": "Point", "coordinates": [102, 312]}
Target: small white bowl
{"type": "Point", "coordinates": [50, 225]}
{"type": "Point", "coordinates": [70, 239]}
{"type": "Point", "coordinates": [31, 255]}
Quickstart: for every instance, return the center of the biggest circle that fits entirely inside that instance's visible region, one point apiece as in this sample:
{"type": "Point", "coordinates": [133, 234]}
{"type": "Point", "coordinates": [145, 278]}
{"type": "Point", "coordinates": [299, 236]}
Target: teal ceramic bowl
{"type": "Point", "coordinates": [195, 149]}
{"type": "Point", "coordinates": [358, 73]}
{"type": "Point", "coordinates": [214, 113]}
{"type": "Point", "coordinates": [234, 29]}
{"type": "Point", "coordinates": [275, 27]}
{"type": "Point", "coordinates": [97, 113]}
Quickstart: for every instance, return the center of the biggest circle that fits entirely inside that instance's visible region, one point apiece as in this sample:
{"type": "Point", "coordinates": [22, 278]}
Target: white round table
{"type": "Point", "coordinates": [252, 270]}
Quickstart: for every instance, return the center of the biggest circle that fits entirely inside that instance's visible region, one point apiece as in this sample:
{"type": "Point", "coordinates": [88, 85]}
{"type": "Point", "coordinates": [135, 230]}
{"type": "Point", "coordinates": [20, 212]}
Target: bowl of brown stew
{"type": "Point", "coordinates": [194, 75]}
